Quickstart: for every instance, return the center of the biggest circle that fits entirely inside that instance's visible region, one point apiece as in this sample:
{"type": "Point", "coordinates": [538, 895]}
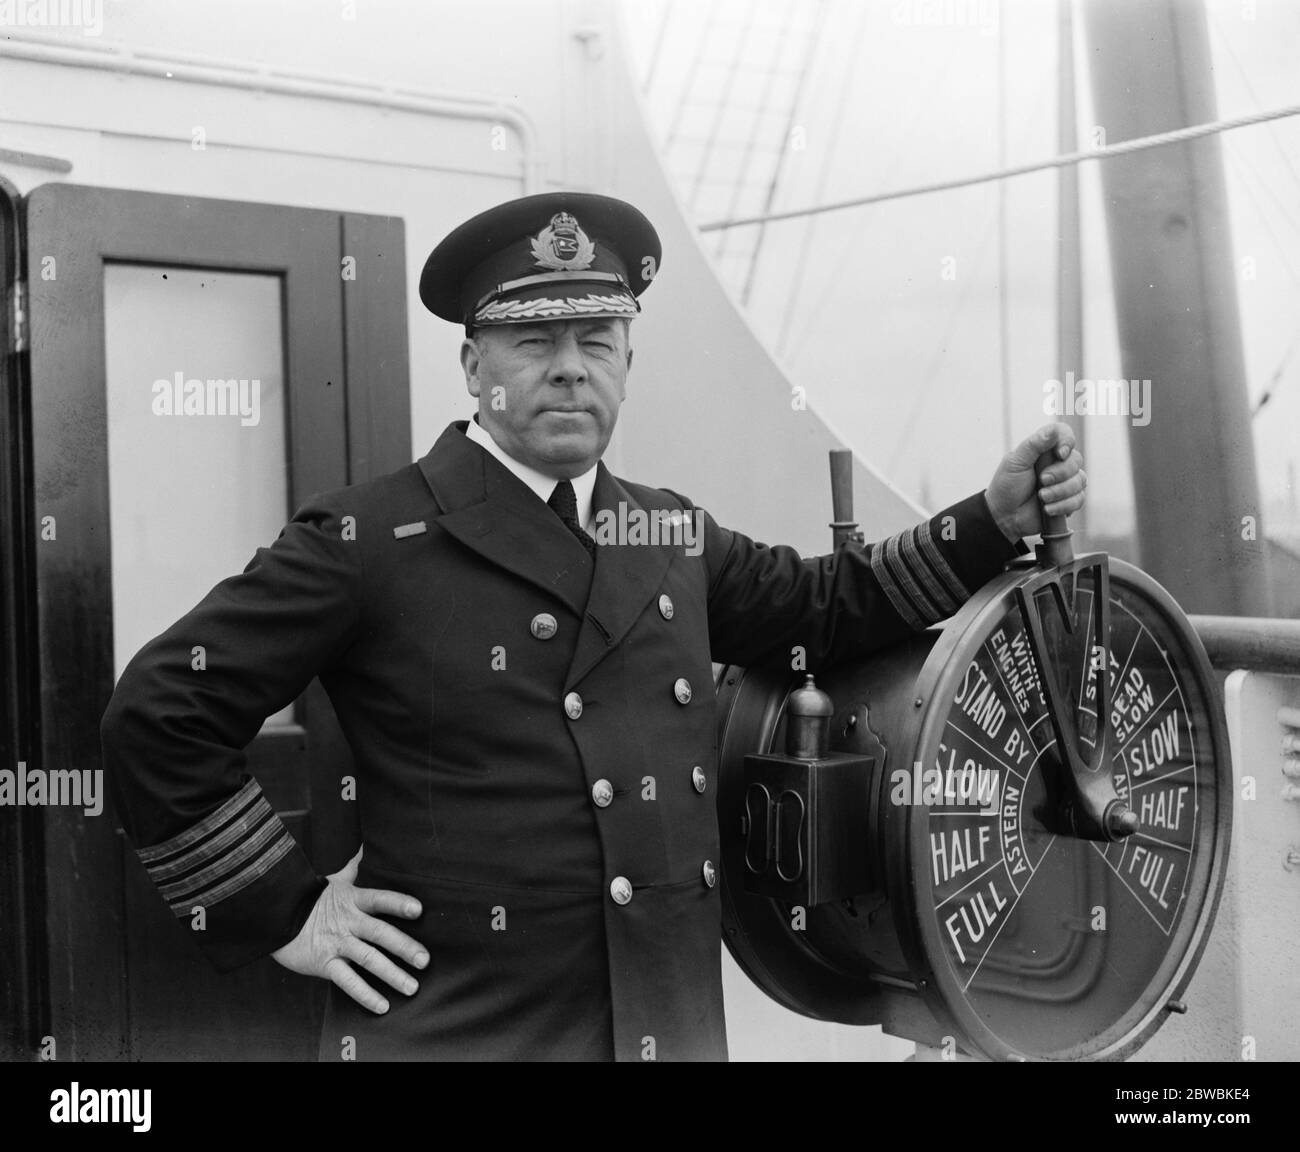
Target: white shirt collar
{"type": "Point", "coordinates": [539, 482]}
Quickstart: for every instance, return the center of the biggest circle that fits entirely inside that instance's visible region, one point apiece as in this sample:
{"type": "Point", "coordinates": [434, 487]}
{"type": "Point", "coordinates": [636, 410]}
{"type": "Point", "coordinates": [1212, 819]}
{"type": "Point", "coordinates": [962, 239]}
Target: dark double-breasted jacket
{"type": "Point", "coordinates": [534, 738]}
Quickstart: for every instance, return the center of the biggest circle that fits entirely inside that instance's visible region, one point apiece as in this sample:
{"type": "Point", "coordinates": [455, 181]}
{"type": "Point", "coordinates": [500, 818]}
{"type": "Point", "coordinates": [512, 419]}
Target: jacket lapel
{"type": "Point", "coordinates": [497, 516]}
{"type": "Point", "coordinates": [627, 577]}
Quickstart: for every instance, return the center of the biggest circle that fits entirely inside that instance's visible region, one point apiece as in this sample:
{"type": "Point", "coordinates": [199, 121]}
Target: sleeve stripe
{"type": "Point", "coordinates": [915, 561]}
{"type": "Point", "coordinates": [926, 608]}
{"type": "Point", "coordinates": [898, 597]}
{"type": "Point", "coordinates": [212, 849]}
{"type": "Point", "coordinates": [934, 554]}
{"type": "Point", "coordinates": [242, 879]}
{"type": "Point", "coordinates": [221, 855]}
{"type": "Point", "coordinates": [209, 824]}
{"type": "Point", "coordinates": [229, 862]}
{"type": "Point", "coordinates": [922, 560]}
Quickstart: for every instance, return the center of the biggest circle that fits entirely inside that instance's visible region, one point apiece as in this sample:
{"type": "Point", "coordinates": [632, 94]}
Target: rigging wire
{"type": "Point", "coordinates": [675, 125]}
{"type": "Point", "coordinates": [902, 438]}
{"type": "Point", "coordinates": [1250, 91]}
{"type": "Point", "coordinates": [779, 42]}
{"type": "Point", "coordinates": [848, 249]}
{"type": "Point", "coordinates": [810, 50]}
{"type": "Point", "coordinates": [1276, 377]}
{"type": "Point", "coordinates": [963, 297]}
{"type": "Point", "coordinates": [1271, 387]}
{"type": "Point", "coordinates": [1137, 144]}
{"type": "Point", "coordinates": [832, 145]}
{"type": "Point", "coordinates": [1249, 169]}
{"type": "Point", "coordinates": [655, 52]}
{"type": "Point", "coordinates": [720, 109]}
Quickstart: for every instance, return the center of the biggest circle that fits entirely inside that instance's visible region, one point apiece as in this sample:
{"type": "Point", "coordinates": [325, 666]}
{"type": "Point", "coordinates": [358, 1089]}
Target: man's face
{"type": "Point", "coordinates": [549, 393]}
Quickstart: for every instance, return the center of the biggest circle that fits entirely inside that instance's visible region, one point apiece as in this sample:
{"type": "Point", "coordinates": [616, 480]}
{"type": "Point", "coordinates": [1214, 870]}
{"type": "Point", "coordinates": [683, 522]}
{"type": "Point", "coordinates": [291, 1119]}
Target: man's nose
{"type": "Point", "coordinates": [567, 364]}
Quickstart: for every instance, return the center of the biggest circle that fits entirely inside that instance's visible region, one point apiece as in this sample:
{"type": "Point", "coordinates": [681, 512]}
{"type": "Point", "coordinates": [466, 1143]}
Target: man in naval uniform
{"type": "Point", "coordinates": [528, 693]}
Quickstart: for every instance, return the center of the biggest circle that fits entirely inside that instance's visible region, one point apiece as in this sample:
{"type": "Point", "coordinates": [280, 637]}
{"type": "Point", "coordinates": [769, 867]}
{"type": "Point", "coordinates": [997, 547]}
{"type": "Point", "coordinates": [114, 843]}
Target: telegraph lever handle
{"type": "Point", "coordinates": [1091, 807]}
{"type": "Point", "coordinates": [1055, 551]}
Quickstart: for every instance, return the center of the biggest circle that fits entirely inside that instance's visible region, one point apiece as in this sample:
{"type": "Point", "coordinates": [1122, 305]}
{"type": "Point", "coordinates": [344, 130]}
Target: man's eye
{"type": "Point", "coordinates": [602, 344]}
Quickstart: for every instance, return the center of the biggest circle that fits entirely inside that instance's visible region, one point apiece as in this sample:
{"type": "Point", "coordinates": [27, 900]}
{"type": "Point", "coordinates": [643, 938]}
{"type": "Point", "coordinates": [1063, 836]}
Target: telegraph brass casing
{"type": "Point", "coordinates": [986, 911]}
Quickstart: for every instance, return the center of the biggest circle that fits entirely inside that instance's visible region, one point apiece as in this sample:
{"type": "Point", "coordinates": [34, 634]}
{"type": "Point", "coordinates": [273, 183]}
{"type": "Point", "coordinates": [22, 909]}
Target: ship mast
{"type": "Point", "coordinates": [1175, 291]}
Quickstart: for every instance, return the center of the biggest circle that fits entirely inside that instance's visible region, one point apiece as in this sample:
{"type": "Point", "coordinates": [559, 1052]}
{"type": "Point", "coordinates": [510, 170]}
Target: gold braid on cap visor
{"type": "Point", "coordinates": [489, 310]}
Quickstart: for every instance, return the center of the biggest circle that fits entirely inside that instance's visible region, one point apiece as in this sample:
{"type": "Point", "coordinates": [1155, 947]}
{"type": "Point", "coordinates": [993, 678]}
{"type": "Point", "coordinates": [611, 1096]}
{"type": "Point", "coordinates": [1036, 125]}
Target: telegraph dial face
{"type": "Point", "coordinates": [991, 916]}
{"type": "Point", "coordinates": [1034, 942]}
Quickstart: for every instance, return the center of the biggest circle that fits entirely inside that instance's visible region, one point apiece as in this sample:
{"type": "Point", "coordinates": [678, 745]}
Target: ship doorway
{"type": "Point", "coordinates": [197, 369]}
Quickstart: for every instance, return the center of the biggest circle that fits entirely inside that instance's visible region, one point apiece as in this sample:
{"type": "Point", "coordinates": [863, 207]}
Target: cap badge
{"type": "Point", "coordinates": [562, 246]}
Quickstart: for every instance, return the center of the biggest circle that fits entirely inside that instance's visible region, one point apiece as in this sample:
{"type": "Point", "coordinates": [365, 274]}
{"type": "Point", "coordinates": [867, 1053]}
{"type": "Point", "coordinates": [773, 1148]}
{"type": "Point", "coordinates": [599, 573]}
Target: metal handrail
{"type": "Point", "coordinates": [1257, 643]}
{"type": "Point", "coordinates": [199, 69]}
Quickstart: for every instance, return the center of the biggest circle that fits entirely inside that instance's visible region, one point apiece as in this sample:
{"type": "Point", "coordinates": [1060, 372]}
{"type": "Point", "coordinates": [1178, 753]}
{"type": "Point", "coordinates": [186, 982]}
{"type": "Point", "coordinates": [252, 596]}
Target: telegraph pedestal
{"type": "Point", "coordinates": [1004, 838]}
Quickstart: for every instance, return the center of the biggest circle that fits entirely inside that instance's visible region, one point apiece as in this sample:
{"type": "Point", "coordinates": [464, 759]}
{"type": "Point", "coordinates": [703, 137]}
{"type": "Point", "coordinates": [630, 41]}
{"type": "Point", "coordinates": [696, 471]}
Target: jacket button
{"type": "Point", "coordinates": [573, 705]}
{"type": "Point", "coordinates": [620, 889]}
{"type": "Point", "coordinates": [698, 778]}
{"type": "Point", "coordinates": [666, 607]}
{"type": "Point", "coordinates": [543, 626]}
{"type": "Point", "coordinates": [682, 690]}
{"type": "Point", "coordinates": [710, 873]}
{"type": "Point", "coordinates": [602, 792]}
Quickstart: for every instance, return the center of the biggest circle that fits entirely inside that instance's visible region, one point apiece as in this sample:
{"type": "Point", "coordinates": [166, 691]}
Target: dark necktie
{"type": "Point", "coordinates": [564, 503]}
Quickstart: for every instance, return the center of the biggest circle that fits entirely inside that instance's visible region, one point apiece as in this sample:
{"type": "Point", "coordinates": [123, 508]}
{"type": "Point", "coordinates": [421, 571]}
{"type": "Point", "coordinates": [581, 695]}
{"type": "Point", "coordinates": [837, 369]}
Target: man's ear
{"type": "Point", "coordinates": [470, 359]}
{"type": "Point", "coordinates": [622, 387]}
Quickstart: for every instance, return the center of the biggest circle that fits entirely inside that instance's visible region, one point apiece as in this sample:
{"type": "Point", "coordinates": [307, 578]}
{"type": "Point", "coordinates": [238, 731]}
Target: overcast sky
{"type": "Point", "coordinates": [903, 361]}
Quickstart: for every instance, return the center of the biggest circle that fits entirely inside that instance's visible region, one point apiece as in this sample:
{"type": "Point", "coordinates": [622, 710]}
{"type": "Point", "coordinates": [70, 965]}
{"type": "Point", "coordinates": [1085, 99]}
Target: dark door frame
{"type": "Point", "coordinates": [23, 1011]}
{"type": "Point", "coordinates": [346, 383]}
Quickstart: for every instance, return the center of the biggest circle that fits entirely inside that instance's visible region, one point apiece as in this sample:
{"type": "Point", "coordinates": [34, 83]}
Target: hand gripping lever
{"type": "Point", "coordinates": [1084, 797]}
